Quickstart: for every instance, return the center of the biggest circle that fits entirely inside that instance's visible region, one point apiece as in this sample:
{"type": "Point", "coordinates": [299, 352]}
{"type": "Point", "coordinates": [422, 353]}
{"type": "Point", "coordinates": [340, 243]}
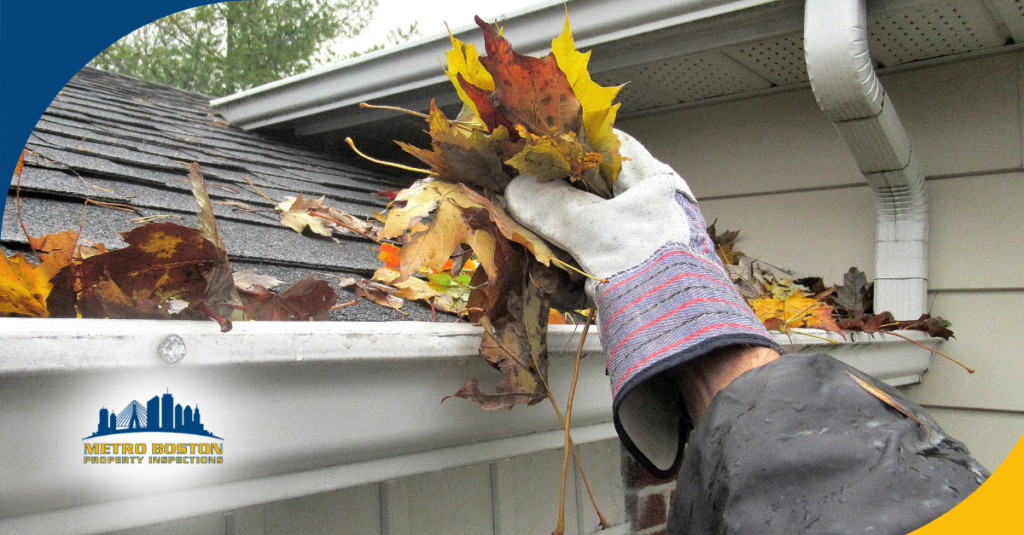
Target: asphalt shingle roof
{"type": "Point", "coordinates": [117, 139]}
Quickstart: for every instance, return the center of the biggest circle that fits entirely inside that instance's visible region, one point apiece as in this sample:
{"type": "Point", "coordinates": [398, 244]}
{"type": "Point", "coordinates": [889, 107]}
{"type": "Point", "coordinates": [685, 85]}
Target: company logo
{"type": "Point", "coordinates": [159, 415]}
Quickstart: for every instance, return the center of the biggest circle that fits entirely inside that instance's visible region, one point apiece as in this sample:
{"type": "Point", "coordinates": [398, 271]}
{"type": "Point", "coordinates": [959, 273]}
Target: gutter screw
{"type": "Point", "coordinates": [171, 349]}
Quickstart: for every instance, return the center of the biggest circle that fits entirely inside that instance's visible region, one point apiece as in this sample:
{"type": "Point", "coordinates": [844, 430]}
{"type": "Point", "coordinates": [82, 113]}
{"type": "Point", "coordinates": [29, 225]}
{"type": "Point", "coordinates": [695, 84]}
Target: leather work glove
{"type": "Point", "coordinates": [668, 299]}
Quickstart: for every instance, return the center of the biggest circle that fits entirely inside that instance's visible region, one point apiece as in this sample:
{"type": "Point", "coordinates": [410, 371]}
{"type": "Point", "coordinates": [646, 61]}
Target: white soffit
{"type": "Point", "coordinates": [904, 32]}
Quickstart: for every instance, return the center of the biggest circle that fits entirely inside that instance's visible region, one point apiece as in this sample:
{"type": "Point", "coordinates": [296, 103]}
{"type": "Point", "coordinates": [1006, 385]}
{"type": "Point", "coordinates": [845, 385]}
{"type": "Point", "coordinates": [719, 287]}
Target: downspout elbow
{"type": "Point", "coordinates": [851, 96]}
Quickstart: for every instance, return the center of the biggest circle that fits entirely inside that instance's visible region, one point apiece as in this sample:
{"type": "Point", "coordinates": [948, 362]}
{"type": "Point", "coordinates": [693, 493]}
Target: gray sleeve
{"type": "Point", "coordinates": [798, 446]}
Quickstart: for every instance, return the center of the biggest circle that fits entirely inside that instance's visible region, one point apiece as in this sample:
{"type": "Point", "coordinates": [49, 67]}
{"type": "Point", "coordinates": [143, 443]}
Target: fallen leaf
{"type": "Point", "coordinates": [295, 215]}
{"type": "Point", "coordinates": [207, 222]}
{"type": "Point", "coordinates": [936, 327]}
{"type": "Point", "coordinates": [298, 213]}
{"type": "Point", "coordinates": [550, 158]}
{"type": "Point", "coordinates": [379, 293]}
{"type": "Point", "coordinates": [55, 251]}
{"type": "Point", "coordinates": [162, 261]}
{"type": "Point", "coordinates": [389, 254]}
{"type": "Point", "coordinates": [420, 200]}
{"type": "Point", "coordinates": [464, 61]}
{"type": "Point", "coordinates": [795, 311]}
{"type": "Point", "coordinates": [598, 111]}
{"type": "Point", "coordinates": [556, 318]}
{"type": "Point", "coordinates": [24, 287]}
{"type": "Point", "coordinates": [508, 227]}
{"type": "Point", "coordinates": [20, 166]}
{"type": "Point", "coordinates": [220, 300]}
{"type": "Point", "coordinates": [248, 279]}
{"type": "Point", "coordinates": [854, 296]}
{"type": "Point", "coordinates": [724, 244]}
{"type": "Point", "coordinates": [433, 247]}
{"type": "Point", "coordinates": [472, 157]}
{"type": "Point", "coordinates": [307, 299]}
{"type": "Point", "coordinates": [529, 91]}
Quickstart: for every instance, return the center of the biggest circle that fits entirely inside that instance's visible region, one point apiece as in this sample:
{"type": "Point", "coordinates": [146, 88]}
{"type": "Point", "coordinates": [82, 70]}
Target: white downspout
{"type": "Point", "coordinates": [848, 91]}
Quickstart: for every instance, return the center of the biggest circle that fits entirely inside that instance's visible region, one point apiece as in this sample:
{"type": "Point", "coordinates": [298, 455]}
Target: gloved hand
{"type": "Point", "coordinates": [668, 299]}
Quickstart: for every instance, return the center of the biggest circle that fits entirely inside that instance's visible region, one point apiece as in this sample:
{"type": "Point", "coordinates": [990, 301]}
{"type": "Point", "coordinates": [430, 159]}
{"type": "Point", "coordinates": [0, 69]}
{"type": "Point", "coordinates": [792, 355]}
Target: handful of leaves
{"type": "Point", "coordinates": [543, 117]}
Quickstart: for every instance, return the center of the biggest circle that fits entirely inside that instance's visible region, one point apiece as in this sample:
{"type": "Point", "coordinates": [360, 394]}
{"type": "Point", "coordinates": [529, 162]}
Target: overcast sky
{"type": "Point", "coordinates": [431, 15]}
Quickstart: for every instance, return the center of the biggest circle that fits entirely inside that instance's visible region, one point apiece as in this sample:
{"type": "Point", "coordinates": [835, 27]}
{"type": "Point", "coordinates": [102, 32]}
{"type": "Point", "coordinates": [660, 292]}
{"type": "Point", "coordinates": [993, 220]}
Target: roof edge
{"type": "Point", "coordinates": [410, 66]}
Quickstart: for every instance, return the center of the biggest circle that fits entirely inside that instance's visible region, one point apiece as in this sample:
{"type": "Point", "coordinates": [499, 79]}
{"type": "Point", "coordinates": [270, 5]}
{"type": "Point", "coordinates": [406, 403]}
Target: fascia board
{"type": "Point", "coordinates": [415, 65]}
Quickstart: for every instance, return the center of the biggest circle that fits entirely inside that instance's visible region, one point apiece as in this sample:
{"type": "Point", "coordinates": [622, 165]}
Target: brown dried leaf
{"type": "Point", "coordinates": [379, 293]}
{"type": "Point", "coordinates": [207, 222]}
{"type": "Point", "coordinates": [530, 91]}
{"type": "Point", "coordinates": [248, 279]}
{"type": "Point", "coordinates": [510, 228]}
{"type": "Point", "coordinates": [307, 299]}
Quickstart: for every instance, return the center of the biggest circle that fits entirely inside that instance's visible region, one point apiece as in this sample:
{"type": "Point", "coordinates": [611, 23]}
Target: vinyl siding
{"type": "Point", "coordinates": [774, 168]}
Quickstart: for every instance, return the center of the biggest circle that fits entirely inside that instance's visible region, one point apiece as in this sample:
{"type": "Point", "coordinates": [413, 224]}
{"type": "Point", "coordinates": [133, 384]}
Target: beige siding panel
{"type": "Point", "coordinates": [820, 233]}
{"type": "Point", "coordinates": [769, 143]}
{"type": "Point", "coordinates": [449, 502]}
{"type": "Point", "coordinates": [990, 435]}
{"type": "Point", "coordinates": [527, 495]}
{"type": "Point", "coordinates": [353, 511]}
{"type": "Point", "coordinates": [245, 521]}
{"type": "Point", "coordinates": [212, 524]}
{"type": "Point", "coordinates": [986, 326]}
{"type": "Point", "coordinates": [961, 117]}
{"type": "Point", "coordinates": [602, 462]}
{"type": "Point", "coordinates": [976, 226]}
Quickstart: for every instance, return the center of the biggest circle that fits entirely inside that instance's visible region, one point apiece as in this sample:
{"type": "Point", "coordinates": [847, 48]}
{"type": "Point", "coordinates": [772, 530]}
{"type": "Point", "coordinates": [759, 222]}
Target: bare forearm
{"type": "Point", "coordinates": [700, 379]}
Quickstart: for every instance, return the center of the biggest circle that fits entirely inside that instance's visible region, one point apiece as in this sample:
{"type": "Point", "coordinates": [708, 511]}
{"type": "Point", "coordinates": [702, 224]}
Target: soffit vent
{"type": "Point", "coordinates": [680, 80]}
{"type": "Point", "coordinates": [779, 60]}
{"type": "Point", "coordinates": [906, 33]}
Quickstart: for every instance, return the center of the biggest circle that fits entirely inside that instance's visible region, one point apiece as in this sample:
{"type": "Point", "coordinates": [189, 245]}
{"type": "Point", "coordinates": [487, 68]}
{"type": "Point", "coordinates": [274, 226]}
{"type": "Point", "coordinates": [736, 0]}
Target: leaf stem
{"type": "Point", "coordinates": [245, 178]}
{"type": "Point", "coordinates": [17, 202]}
{"type": "Point", "coordinates": [937, 352]}
{"type": "Point", "coordinates": [568, 438]}
{"type": "Point", "coordinates": [367, 105]}
{"type": "Point", "coordinates": [563, 265]}
{"type": "Point", "coordinates": [389, 164]}
{"type": "Point", "coordinates": [575, 453]}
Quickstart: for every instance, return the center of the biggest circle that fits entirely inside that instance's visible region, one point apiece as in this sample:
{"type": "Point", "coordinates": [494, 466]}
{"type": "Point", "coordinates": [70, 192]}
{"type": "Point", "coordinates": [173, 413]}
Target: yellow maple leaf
{"type": "Point", "coordinates": [24, 287]}
{"type": "Point", "coordinates": [794, 311]}
{"type": "Point", "coordinates": [552, 158]}
{"type": "Point", "coordinates": [598, 111]}
{"type": "Point", "coordinates": [465, 60]}
{"type": "Point", "coordinates": [420, 200]}
{"type": "Point", "coordinates": [433, 247]}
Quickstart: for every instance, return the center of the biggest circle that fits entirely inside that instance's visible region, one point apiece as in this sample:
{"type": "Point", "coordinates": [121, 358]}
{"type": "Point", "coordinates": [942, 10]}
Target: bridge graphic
{"type": "Point", "coordinates": [159, 415]}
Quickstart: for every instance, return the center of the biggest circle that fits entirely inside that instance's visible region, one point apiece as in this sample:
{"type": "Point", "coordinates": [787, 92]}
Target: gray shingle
{"type": "Point", "coordinates": [116, 139]}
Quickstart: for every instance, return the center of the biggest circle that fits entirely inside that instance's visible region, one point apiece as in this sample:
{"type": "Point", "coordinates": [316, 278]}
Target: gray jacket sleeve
{"type": "Point", "coordinates": [798, 446]}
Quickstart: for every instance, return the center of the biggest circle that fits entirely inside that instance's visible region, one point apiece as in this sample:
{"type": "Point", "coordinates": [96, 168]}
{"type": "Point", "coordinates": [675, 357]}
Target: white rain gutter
{"type": "Point", "coordinates": [849, 92]}
{"type": "Point", "coordinates": [303, 407]}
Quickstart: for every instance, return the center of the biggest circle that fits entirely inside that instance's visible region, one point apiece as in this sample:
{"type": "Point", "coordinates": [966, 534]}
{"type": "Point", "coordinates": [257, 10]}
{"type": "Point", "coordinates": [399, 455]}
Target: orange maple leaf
{"type": "Point", "coordinates": [390, 255]}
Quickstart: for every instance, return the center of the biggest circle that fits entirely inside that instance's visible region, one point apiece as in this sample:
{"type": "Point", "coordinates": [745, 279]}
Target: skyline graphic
{"type": "Point", "coordinates": [159, 415]}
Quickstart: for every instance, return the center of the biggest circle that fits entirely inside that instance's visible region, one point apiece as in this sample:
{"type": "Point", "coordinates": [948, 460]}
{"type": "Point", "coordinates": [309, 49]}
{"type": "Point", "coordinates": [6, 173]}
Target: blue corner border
{"type": "Point", "coordinates": [42, 45]}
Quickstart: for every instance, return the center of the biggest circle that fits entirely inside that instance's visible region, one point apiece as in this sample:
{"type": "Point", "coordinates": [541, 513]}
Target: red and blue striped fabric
{"type": "Point", "coordinates": [677, 305]}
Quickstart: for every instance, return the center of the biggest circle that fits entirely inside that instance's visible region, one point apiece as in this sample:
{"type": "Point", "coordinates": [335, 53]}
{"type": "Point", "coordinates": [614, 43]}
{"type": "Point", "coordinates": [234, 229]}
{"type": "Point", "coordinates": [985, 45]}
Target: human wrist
{"type": "Point", "coordinates": [700, 379]}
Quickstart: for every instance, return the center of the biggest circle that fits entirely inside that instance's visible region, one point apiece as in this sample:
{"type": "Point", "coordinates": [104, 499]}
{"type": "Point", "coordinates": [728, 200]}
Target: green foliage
{"type": "Point", "coordinates": [220, 49]}
{"type": "Point", "coordinates": [396, 36]}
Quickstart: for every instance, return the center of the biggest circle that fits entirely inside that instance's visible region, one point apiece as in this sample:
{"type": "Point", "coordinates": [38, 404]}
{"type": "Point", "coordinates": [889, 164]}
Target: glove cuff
{"type": "Point", "coordinates": [677, 305]}
{"type": "Point", "coordinates": [674, 301]}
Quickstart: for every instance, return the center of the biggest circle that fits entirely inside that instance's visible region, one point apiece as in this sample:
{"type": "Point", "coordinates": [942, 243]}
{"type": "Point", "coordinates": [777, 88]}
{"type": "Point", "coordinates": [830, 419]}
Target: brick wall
{"type": "Point", "coordinates": [647, 497]}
